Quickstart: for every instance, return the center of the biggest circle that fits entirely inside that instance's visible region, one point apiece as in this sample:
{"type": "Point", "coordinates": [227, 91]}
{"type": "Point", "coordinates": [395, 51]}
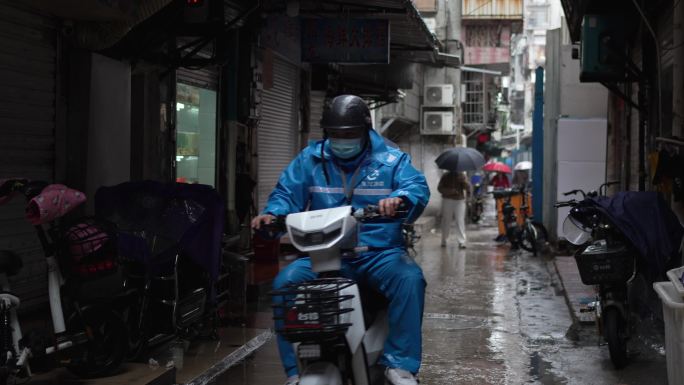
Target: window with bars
{"type": "Point", "coordinates": [474, 105]}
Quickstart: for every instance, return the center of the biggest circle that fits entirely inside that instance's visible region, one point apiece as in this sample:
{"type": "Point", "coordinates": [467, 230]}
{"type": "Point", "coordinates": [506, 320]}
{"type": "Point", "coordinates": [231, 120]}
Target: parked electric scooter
{"type": "Point", "coordinates": [607, 260]}
{"type": "Point", "coordinates": [88, 335]}
{"type": "Point", "coordinates": [338, 337]}
{"type": "Point", "coordinates": [476, 204]}
{"type": "Point", "coordinates": [170, 249]}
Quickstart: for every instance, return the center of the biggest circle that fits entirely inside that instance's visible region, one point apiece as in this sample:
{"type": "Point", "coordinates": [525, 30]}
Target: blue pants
{"type": "Point", "coordinates": [394, 274]}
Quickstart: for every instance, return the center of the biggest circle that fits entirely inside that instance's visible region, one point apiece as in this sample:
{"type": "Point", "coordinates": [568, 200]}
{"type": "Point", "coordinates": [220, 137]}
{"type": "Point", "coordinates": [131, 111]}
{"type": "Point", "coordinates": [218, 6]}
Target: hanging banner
{"type": "Point", "coordinates": [345, 41]}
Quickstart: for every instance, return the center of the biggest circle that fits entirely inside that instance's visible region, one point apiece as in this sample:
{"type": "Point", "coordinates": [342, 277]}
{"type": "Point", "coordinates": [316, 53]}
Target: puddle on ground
{"type": "Point", "coordinates": [540, 370]}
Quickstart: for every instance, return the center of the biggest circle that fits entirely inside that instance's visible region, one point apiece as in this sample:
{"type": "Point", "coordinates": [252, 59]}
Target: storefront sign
{"type": "Point", "coordinates": [345, 41]}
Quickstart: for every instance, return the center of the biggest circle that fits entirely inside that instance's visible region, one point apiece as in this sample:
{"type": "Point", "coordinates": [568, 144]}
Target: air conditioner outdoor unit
{"type": "Point", "coordinates": [438, 95]}
{"type": "Point", "coordinates": [437, 123]}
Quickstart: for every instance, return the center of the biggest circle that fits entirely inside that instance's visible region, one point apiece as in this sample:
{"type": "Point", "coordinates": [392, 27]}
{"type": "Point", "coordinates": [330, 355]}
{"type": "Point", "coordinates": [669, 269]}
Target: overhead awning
{"type": "Point", "coordinates": [410, 38]}
{"type": "Point", "coordinates": [100, 24]}
{"type": "Point", "coordinates": [574, 11]}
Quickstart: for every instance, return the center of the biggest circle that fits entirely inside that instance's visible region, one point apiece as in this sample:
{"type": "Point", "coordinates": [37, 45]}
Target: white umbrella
{"type": "Point", "coordinates": [523, 166]}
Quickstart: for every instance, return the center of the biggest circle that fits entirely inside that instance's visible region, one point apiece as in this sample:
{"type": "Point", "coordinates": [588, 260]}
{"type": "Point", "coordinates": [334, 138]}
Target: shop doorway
{"type": "Point", "coordinates": [195, 135]}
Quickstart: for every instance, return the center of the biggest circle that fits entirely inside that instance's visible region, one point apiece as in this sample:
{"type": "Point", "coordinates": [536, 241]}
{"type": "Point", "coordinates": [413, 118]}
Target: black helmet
{"type": "Point", "coordinates": [346, 112]}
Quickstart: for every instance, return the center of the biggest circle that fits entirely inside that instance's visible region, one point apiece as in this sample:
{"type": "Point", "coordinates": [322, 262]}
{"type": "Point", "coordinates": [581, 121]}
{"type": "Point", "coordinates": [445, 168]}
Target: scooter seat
{"type": "Point", "coordinates": [10, 263]}
{"type": "Point", "coordinates": [373, 302]}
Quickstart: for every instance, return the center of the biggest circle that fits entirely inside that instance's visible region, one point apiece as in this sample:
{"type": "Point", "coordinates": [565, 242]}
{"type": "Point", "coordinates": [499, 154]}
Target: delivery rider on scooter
{"type": "Point", "coordinates": [354, 165]}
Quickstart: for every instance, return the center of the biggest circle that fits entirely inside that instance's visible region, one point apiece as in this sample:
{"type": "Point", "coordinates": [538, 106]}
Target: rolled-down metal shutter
{"type": "Point", "coordinates": [316, 102]}
{"type": "Point", "coordinates": [206, 78]}
{"type": "Point", "coordinates": [27, 132]}
{"type": "Point", "coordinates": [277, 134]}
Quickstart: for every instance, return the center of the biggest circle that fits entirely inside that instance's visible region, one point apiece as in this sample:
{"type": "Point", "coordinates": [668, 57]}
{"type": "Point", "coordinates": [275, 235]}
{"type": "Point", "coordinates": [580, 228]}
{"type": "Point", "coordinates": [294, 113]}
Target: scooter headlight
{"type": "Point", "coordinates": [314, 238]}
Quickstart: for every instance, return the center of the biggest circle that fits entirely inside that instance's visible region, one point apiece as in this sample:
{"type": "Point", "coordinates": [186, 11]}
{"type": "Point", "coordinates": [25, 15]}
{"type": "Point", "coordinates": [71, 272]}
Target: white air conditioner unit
{"type": "Point", "coordinates": [437, 123]}
{"type": "Point", "coordinates": [438, 95]}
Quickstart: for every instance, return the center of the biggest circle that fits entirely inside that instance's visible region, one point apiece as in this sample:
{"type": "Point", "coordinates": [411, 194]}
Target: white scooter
{"type": "Point", "coordinates": [334, 337]}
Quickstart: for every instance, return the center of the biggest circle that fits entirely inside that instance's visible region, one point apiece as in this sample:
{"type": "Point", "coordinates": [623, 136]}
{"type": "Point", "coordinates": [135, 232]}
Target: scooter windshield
{"type": "Point", "coordinates": [575, 232]}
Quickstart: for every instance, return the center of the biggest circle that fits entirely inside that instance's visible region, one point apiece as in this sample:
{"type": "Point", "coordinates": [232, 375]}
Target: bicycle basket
{"type": "Point", "coordinates": [88, 249]}
{"type": "Point", "coordinates": [602, 264]}
{"type": "Point", "coordinates": [313, 311]}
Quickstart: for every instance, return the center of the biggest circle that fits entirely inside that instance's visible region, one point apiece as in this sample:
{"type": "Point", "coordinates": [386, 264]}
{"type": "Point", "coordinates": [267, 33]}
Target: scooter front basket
{"type": "Point", "coordinates": [602, 264]}
{"type": "Point", "coordinates": [313, 311]}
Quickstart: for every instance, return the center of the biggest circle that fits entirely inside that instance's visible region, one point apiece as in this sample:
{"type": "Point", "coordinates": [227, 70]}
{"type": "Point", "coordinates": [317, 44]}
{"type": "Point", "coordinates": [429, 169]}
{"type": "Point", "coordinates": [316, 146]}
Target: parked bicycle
{"type": "Point", "coordinates": [606, 259]}
{"type": "Point", "coordinates": [87, 333]}
{"type": "Point", "coordinates": [530, 235]}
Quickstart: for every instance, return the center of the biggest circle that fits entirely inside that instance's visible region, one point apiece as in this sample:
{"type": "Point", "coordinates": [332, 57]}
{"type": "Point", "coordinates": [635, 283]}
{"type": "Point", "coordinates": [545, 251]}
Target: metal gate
{"type": "Point", "coordinates": [206, 78]}
{"type": "Point", "coordinates": [28, 52]}
{"type": "Point", "coordinates": [277, 133]}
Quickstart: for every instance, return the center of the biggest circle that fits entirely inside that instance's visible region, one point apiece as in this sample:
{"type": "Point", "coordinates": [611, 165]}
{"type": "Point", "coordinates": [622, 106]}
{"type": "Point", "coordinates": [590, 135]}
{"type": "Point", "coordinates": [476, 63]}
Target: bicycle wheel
{"type": "Point", "coordinates": [527, 238]}
{"type": "Point", "coordinates": [533, 237]}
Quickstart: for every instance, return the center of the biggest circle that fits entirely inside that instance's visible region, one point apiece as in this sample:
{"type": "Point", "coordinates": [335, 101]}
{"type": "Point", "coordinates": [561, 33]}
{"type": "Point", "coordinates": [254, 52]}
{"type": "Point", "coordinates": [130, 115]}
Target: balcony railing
{"type": "Point", "coordinates": [492, 9]}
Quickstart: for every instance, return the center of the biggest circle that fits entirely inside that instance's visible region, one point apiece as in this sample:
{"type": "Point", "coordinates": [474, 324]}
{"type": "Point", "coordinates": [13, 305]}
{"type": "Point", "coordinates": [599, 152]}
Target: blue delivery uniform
{"type": "Point", "coordinates": [383, 172]}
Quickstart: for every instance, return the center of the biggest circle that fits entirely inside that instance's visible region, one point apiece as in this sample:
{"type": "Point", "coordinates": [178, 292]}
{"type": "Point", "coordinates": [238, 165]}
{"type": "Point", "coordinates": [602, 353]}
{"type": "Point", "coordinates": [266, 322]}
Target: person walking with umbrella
{"type": "Point", "coordinates": [455, 188]}
{"type": "Point", "coordinates": [500, 180]}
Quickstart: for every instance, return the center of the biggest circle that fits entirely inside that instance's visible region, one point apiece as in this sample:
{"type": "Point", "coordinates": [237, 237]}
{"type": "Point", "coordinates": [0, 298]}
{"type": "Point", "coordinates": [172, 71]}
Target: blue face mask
{"type": "Point", "coordinates": [346, 148]}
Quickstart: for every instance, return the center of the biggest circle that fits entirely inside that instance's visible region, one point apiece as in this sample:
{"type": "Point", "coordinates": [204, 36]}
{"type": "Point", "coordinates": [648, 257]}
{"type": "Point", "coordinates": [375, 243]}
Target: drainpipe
{"type": "Point", "coordinates": [538, 146]}
{"type": "Point", "coordinates": [453, 46]}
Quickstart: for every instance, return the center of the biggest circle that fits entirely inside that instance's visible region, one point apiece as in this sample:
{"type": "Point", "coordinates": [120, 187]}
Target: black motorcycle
{"type": "Point", "coordinates": [607, 260]}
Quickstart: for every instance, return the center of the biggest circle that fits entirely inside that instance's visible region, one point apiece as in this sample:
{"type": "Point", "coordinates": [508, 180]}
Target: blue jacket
{"type": "Point", "coordinates": [385, 172]}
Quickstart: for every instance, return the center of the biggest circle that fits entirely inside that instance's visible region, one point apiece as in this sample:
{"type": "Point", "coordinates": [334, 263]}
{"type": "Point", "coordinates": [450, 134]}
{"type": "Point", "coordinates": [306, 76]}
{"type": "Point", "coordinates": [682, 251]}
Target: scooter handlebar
{"type": "Point", "coordinates": [373, 211]}
{"type": "Point", "coordinates": [569, 203]}
{"type": "Point", "coordinates": [274, 229]}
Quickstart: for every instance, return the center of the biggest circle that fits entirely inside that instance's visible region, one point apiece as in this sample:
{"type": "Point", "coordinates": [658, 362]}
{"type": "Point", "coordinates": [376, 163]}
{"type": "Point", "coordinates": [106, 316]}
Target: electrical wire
{"type": "Point", "coordinates": [657, 47]}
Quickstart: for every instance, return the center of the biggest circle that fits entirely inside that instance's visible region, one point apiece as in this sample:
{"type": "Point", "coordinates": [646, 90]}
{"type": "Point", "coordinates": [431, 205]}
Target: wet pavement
{"type": "Point", "coordinates": [495, 317]}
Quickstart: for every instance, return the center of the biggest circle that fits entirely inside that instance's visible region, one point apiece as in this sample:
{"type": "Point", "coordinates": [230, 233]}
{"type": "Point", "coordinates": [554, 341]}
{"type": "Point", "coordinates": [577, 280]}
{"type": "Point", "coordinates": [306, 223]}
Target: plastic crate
{"type": "Point", "coordinates": [676, 276]}
{"type": "Point", "coordinates": [601, 264]}
{"type": "Point", "coordinates": [673, 315]}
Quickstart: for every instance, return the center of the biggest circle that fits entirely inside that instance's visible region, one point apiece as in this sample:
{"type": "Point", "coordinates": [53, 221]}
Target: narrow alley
{"type": "Point", "coordinates": [225, 192]}
{"type": "Point", "coordinates": [494, 317]}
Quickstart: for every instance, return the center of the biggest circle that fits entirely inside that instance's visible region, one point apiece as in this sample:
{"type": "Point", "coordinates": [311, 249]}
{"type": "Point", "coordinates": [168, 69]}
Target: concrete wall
{"type": "Point", "coordinates": [565, 96]}
{"type": "Point", "coordinates": [579, 100]}
{"type": "Point", "coordinates": [409, 106]}
{"type": "Point", "coordinates": [423, 149]}
{"type": "Point", "coordinates": [109, 134]}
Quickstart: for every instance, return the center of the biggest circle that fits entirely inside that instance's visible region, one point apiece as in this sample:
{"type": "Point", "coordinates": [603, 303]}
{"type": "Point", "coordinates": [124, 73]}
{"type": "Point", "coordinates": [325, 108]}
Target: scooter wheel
{"type": "Point", "coordinates": [107, 343]}
{"type": "Point", "coordinates": [614, 329]}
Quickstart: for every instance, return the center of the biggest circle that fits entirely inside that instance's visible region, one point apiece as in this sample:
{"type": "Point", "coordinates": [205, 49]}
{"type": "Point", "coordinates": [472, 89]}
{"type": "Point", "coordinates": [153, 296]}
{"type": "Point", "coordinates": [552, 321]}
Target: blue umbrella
{"type": "Point", "coordinates": [460, 159]}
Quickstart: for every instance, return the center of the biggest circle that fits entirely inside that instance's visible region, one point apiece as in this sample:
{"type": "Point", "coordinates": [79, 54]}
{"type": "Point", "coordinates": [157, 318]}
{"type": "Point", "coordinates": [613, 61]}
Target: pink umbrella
{"type": "Point", "coordinates": [496, 167]}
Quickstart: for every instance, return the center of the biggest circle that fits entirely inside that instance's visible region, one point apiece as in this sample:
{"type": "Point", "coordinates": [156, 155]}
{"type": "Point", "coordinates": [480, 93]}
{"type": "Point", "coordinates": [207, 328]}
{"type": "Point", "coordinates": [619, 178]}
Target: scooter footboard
{"type": "Point", "coordinates": [321, 373]}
